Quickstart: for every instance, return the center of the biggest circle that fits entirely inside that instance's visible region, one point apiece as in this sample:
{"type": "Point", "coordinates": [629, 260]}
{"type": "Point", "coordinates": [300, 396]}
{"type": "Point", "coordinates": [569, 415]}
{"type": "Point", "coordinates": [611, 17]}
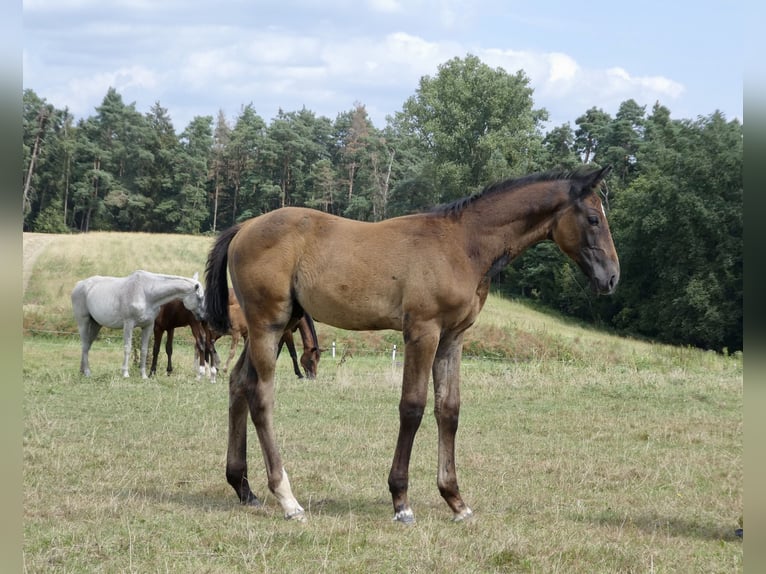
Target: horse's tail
{"type": "Point", "coordinates": [216, 284]}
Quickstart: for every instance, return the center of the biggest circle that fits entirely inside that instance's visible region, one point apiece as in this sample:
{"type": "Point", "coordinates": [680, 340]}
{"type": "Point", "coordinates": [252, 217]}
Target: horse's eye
{"type": "Point", "coordinates": [593, 220]}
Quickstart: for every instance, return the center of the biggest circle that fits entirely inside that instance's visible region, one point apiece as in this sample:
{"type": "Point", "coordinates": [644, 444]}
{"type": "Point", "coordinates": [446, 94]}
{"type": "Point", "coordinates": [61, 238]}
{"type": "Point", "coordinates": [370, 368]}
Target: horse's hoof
{"type": "Point", "coordinates": [251, 500]}
{"type": "Point", "coordinates": [405, 516]}
{"type": "Point", "coordinates": [297, 516]}
{"type": "Point", "coordinates": [465, 516]}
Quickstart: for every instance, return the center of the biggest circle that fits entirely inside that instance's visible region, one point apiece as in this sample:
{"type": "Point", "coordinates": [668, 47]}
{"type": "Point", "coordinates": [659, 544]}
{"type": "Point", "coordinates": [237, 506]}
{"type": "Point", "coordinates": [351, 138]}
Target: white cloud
{"type": "Point", "coordinates": [562, 68]}
{"type": "Point", "coordinates": [82, 94]}
{"type": "Point", "coordinates": [622, 81]}
{"type": "Point", "coordinates": [567, 89]}
{"type": "Point", "coordinates": [320, 68]}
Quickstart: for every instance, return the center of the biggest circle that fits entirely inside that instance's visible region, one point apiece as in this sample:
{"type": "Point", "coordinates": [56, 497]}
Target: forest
{"type": "Point", "coordinates": [674, 197]}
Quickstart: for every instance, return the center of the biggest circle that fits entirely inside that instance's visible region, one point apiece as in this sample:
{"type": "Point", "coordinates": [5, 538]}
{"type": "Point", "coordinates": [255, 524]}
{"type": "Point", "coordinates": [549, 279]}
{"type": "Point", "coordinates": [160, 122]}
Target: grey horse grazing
{"type": "Point", "coordinates": [127, 303]}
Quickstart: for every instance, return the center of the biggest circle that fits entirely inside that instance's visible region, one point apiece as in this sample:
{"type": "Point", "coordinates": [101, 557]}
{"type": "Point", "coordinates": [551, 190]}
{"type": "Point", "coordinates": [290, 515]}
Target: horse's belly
{"type": "Point", "coordinates": [352, 313]}
{"type": "Point", "coordinates": [105, 319]}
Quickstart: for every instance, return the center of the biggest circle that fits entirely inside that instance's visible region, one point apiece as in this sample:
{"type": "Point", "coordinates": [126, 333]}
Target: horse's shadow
{"type": "Point", "coordinates": [220, 500]}
{"type": "Point", "coordinates": [653, 523]}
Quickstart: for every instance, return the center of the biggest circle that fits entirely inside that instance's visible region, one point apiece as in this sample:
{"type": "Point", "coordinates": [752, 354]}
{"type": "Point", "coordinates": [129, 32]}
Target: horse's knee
{"type": "Point", "coordinates": [411, 413]}
{"type": "Point", "coordinates": [447, 418]}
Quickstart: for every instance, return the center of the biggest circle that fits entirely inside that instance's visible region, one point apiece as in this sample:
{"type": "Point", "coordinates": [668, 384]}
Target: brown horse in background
{"type": "Point", "coordinates": [426, 275]}
{"type": "Point", "coordinates": [173, 315]}
{"type": "Point", "coordinates": [311, 352]}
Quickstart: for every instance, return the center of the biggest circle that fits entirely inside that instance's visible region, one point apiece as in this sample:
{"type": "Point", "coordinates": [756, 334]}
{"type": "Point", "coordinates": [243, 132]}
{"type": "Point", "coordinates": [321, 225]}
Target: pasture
{"type": "Point", "coordinates": [578, 451]}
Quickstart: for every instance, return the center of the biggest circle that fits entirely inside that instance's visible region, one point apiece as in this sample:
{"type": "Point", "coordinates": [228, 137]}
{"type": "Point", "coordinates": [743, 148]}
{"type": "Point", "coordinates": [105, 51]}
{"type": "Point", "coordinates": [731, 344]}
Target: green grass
{"type": "Point", "coordinates": [587, 453]}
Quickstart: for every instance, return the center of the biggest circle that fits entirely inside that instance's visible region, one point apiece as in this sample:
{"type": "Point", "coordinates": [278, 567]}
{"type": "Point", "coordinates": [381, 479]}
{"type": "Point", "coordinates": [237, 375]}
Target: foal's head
{"type": "Point", "coordinates": [582, 232]}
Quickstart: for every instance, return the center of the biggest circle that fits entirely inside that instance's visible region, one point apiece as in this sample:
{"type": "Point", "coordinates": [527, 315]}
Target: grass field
{"type": "Point", "coordinates": [578, 451]}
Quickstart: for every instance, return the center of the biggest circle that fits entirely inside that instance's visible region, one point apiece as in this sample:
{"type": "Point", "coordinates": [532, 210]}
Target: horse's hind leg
{"type": "Point", "coordinates": [241, 381]}
{"type": "Point", "coordinates": [88, 332]}
{"type": "Point", "coordinates": [169, 350]}
{"type": "Point", "coordinates": [156, 348]}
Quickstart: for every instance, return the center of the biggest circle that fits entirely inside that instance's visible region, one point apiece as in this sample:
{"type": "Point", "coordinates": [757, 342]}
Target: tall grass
{"type": "Point", "coordinates": [579, 451]}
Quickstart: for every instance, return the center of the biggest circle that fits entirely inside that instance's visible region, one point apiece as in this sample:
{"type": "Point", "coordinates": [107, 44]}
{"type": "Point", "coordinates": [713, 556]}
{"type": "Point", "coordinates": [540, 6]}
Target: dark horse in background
{"type": "Point", "coordinates": [311, 352]}
{"type": "Point", "coordinates": [173, 315]}
{"type": "Point", "coordinates": [425, 274]}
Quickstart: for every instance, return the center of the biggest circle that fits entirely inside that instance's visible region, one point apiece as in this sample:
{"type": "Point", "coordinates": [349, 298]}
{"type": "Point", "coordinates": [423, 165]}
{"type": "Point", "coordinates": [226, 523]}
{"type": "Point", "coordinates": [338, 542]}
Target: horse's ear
{"type": "Point", "coordinates": [589, 182]}
{"type": "Point", "coordinates": [196, 275]}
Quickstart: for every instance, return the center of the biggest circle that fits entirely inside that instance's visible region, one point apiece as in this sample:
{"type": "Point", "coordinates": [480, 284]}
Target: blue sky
{"type": "Point", "coordinates": [197, 57]}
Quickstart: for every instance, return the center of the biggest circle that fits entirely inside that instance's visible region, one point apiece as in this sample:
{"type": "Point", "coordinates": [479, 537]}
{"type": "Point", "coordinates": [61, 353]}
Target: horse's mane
{"type": "Point", "coordinates": [509, 185]}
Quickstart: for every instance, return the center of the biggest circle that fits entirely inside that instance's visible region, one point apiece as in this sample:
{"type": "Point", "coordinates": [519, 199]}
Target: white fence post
{"type": "Point", "coordinates": [333, 349]}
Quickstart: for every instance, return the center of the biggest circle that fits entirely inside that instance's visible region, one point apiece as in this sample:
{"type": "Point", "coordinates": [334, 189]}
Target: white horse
{"type": "Point", "coordinates": [129, 302]}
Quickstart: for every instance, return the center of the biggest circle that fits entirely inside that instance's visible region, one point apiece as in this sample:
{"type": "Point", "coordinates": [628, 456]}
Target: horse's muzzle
{"type": "Point", "coordinates": [605, 284]}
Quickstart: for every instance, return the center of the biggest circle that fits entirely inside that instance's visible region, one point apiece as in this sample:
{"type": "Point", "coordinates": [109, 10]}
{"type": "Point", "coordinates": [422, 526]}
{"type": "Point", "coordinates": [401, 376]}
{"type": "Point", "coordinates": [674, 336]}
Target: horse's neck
{"type": "Point", "coordinates": [504, 224]}
{"type": "Point", "coordinates": [308, 337]}
{"type": "Point", "coordinates": [167, 288]}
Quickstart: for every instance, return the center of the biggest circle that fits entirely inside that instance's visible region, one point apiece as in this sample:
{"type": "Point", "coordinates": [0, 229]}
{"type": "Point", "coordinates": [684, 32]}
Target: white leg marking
{"type": "Point", "coordinates": [465, 515]}
{"type": "Point", "coordinates": [284, 494]}
{"type": "Point", "coordinates": [405, 516]}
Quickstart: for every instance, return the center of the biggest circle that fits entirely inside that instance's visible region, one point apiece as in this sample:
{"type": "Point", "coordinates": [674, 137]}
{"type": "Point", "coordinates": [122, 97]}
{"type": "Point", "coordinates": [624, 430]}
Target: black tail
{"type": "Point", "coordinates": [216, 284]}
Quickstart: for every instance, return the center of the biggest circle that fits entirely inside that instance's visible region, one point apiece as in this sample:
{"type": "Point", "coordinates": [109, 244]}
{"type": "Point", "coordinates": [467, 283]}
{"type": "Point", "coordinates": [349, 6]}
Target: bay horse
{"type": "Point", "coordinates": [311, 352]}
{"type": "Point", "coordinates": [173, 314]}
{"type": "Point", "coordinates": [129, 302]}
{"type": "Point", "coordinates": [425, 274]}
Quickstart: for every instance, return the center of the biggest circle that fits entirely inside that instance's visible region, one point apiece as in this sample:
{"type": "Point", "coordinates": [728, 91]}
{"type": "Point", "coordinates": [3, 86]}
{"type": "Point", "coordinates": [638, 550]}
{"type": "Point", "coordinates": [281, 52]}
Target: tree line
{"type": "Point", "coordinates": [674, 197]}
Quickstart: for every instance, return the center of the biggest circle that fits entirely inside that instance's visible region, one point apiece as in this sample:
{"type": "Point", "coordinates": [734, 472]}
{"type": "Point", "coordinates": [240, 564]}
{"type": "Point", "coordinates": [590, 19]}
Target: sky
{"type": "Point", "coordinates": [197, 57]}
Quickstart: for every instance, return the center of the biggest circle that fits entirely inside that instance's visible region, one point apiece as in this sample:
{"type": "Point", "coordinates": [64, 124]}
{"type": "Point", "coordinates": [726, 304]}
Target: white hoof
{"type": "Point", "coordinates": [297, 516]}
{"type": "Point", "coordinates": [405, 516]}
{"type": "Point", "coordinates": [465, 516]}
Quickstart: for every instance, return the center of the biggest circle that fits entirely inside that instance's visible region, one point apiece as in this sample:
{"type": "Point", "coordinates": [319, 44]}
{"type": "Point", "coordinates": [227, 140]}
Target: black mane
{"type": "Point", "coordinates": [508, 185]}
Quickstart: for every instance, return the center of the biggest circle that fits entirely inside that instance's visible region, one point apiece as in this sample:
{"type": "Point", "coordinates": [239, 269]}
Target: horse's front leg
{"type": "Point", "coordinates": [211, 356]}
{"type": "Point", "coordinates": [241, 382]}
{"type": "Point", "coordinates": [127, 340]}
{"type": "Point", "coordinates": [446, 373]}
{"type": "Point", "coordinates": [420, 346]}
{"type": "Point", "coordinates": [199, 350]}
{"type": "Point", "coordinates": [262, 352]}
{"type": "Point", "coordinates": [287, 339]}
{"type": "Point", "coordinates": [145, 334]}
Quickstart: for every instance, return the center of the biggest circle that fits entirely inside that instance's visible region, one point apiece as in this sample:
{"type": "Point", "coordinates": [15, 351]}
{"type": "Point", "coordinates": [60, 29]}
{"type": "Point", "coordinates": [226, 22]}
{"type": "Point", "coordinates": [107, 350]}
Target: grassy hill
{"type": "Point", "coordinates": [505, 329]}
